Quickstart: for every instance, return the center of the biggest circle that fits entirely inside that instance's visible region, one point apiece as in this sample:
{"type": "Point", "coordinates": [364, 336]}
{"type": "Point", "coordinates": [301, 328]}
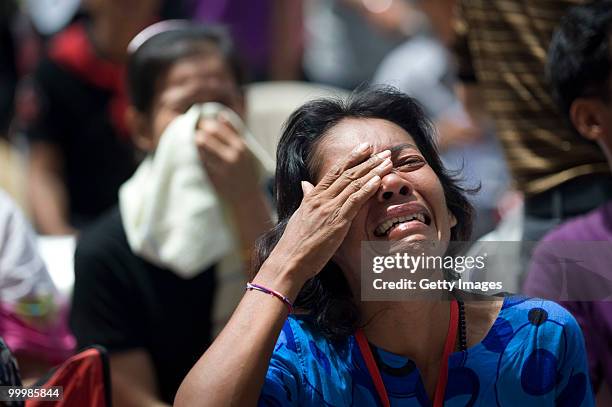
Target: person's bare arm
{"type": "Point", "coordinates": [473, 128]}
{"type": "Point", "coordinates": [467, 89]}
{"type": "Point", "coordinates": [286, 36]}
{"type": "Point", "coordinates": [47, 192]}
{"type": "Point", "coordinates": [457, 133]}
{"type": "Point", "coordinates": [470, 95]}
{"type": "Point", "coordinates": [252, 218]}
{"type": "Point", "coordinates": [396, 18]}
{"type": "Point", "coordinates": [233, 369]}
{"type": "Point", "coordinates": [133, 380]}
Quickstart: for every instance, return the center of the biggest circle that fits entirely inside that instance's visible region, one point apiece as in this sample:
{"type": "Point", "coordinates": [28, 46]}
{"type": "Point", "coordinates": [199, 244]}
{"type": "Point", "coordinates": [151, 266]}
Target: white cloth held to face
{"type": "Point", "coordinates": [170, 211]}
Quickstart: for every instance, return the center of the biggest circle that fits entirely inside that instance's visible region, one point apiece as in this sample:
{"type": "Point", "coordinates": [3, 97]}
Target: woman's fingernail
{"type": "Point", "coordinates": [307, 187]}
{"type": "Point", "coordinates": [373, 182]}
{"type": "Point", "coordinates": [384, 154]}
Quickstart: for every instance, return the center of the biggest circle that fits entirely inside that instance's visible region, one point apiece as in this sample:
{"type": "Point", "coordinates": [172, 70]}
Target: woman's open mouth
{"type": "Point", "coordinates": [388, 225]}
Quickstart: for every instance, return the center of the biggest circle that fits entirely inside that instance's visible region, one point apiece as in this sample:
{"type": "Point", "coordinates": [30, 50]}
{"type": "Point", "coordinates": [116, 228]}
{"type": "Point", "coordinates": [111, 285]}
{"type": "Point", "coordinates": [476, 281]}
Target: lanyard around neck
{"type": "Point", "coordinates": [449, 346]}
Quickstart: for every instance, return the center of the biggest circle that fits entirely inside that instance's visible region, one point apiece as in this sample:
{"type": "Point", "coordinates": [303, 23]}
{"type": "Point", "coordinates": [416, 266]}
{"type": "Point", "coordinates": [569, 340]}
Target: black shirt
{"type": "Point", "coordinates": [123, 302]}
{"type": "Point", "coordinates": [8, 72]}
{"type": "Point", "coordinates": [78, 110]}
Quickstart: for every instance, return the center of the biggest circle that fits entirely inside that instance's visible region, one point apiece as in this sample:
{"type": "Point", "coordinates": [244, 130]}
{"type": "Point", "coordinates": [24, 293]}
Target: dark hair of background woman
{"type": "Point", "coordinates": [327, 297]}
{"type": "Point", "coordinates": [156, 55]}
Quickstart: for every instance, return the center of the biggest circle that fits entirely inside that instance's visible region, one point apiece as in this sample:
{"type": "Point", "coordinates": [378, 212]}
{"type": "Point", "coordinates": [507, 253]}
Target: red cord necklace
{"type": "Point", "coordinates": [449, 346]}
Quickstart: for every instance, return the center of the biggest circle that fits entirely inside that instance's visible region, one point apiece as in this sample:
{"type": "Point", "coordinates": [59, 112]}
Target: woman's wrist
{"type": "Point", "coordinates": [281, 276]}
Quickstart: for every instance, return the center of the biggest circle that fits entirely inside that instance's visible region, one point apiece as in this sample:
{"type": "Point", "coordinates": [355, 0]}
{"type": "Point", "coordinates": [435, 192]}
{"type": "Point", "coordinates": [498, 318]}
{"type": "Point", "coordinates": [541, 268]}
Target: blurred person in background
{"type": "Point", "coordinates": [154, 316]}
{"type": "Point", "coordinates": [580, 71]}
{"type": "Point", "coordinates": [345, 40]}
{"type": "Point", "coordinates": [80, 151]}
{"type": "Point", "coordinates": [33, 319]}
{"type": "Point", "coordinates": [501, 47]}
{"type": "Point", "coordinates": [268, 33]}
{"type": "Point", "coordinates": [423, 67]}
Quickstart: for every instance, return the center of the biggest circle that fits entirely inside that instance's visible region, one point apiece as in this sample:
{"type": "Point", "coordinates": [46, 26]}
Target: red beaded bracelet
{"type": "Point", "coordinates": [257, 287]}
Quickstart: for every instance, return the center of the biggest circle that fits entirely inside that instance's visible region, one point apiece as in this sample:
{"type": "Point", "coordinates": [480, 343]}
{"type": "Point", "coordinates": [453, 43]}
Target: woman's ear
{"type": "Point", "coordinates": [588, 115]}
{"type": "Point", "coordinates": [140, 129]}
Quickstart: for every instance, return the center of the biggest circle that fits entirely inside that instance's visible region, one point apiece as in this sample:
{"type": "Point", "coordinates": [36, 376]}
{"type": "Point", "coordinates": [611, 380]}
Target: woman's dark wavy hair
{"type": "Point", "coordinates": [327, 297]}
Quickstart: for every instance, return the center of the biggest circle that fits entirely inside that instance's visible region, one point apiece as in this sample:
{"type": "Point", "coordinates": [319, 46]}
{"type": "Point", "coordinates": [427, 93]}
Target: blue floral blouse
{"type": "Point", "coordinates": [532, 356]}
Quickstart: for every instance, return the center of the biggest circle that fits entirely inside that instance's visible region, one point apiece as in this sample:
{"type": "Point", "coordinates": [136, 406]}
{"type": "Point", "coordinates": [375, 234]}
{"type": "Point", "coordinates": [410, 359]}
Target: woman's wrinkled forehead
{"type": "Point", "coordinates": [341, 139]}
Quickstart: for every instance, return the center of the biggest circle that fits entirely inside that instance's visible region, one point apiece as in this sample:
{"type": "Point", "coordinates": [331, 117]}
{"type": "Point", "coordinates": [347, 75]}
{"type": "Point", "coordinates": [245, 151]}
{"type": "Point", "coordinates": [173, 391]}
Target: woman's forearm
{"type": "Point", "coordinates": [252, 217]}
{"type": "Point", "coordinates": [47, 192]}
{"type": "Point", "coordinates": [233, 369]}
{"type": "Point", "coordinates": [49, 205]}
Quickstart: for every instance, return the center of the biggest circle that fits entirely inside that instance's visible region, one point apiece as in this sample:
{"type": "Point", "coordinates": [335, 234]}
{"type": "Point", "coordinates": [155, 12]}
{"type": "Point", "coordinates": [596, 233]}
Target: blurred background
{"type": "Point", "coordinates": [64, 146]}
{"type": "Point", "coordinates": [311, 46]}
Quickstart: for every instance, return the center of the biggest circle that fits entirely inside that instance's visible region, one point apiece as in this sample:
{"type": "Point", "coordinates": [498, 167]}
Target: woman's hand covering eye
{"type": "Point", "coordinates": [320, 224]}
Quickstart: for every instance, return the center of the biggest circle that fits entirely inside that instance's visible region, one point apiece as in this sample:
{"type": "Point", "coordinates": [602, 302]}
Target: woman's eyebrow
{"type": "Point", "coordinates": [400, 147]}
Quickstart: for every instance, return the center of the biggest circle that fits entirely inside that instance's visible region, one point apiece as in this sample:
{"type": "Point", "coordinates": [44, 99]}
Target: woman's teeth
{"type": "Point", "coordinates": [385, 227]}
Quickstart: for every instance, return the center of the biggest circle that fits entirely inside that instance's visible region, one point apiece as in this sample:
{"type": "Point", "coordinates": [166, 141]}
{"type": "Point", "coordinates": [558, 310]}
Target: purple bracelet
{"type": "Point", "coordinates": [287, 301]}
